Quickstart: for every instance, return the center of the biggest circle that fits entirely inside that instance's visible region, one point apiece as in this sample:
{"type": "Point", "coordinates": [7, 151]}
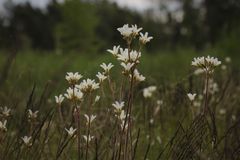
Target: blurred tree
{"type": "Point", "coordinates": [192, 25]}
{"type": "Point", "coordinates": [222, 16]}
{"type": "Point", "coordinates": [31, 25]}
{"type": "Point", "coordinates": [76, 30]}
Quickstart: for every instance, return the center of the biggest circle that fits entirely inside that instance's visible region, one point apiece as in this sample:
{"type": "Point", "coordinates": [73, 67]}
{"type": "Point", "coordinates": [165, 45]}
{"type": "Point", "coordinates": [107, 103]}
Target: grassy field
{"type": "Point", "coordinates": [170, 71]}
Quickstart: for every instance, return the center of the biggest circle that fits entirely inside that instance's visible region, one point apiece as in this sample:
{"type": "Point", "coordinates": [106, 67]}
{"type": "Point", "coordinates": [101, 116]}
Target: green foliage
{"type": "Point", "coordinates": [229, 43]}
{"type": "Point", "coordinates": [76, 30]}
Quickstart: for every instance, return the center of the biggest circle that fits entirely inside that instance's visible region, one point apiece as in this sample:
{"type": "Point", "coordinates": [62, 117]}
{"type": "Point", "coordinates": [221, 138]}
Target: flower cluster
{"type": "Point", "coordinates": [206, 63]}
{"type": "Point", "coordinates": [128, 32]}
{"type": "Point", "coordinates": [74, 94]}
{"type": "Point", "coordinates": [129, 57]}
{"type": "Point", "coordinates": [73, 78]}
{"type": "Point", "coordinates": [82, 91]}
{"type": "Point", "coordinates": [87, 85]}
{"type": "Point", "coordinates": [148, 92]}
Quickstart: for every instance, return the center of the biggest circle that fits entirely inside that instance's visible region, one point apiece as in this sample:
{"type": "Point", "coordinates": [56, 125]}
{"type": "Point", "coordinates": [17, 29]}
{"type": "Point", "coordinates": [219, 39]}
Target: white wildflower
{"type": "Point", "coordinates": [127, 66]}
{"type": "Point", "coordinates": [114, 51]}
{"type": "Point", "coordinates": [206, 63]}
{"type": "Point", "coordinates": [6, 111]}
{"type": "Point", "coordinates": [32, 115]}
{"type": "Point", "coordinates": [125, 31]}
{"type": "Point", "coordinates": [135, 30]}
{"type": "Point", "coordinates": [88, 138]}
{"type": "Point", "coordinates": [59, 99]}
{"type": "Point", "coordinates": [88, 85]}
{"type": "Point", "coordinates": [90, 118]}
{"type": "Point", "coordinates": [191, 96]}
{"type": "Point", "coordinates": [71, 131]}
{"type": "Point", "coordinates": [122, 125]}
{"type": "Point", "coordinates": [106, 67]}
{"type": "Point", "coordinates": [151, 121]}
{"type": "Point", "coordinates": [144, 38]}
{"type": "Point", "coordinates": [118, 105]}
{"type": "Point", "coordinates": [27, 140]}
{"type": "Point", "coordinates": [198, 71]}
{"type": "Point", "coordinates": [134, 56]}
{"type": "Point", "coordinates": [73, 78]}
{"type": "Point", "coordinates": [74, 94]}
{"type": "Point", "coordinates": [101, 77]}
{"type": "Point", "coordinates": [97, 98]}
{"type": "Point", "coordinates": [137, 76]}
{"type": "Point", "coordinates": [3, 126]}
{"type": "Point", "coordinates": [123, 56]}
{"type": "Point", "coordinates": [122, 115]}
{"type": "Point", "coordinates": [148, 92]}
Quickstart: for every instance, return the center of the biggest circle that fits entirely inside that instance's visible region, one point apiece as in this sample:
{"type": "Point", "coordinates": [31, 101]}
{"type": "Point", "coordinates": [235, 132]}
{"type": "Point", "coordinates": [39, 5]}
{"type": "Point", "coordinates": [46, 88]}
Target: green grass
{"type": "Point", "coordinates": [161, 69]}
{"type": "Point", "coordinates": [40, 68]}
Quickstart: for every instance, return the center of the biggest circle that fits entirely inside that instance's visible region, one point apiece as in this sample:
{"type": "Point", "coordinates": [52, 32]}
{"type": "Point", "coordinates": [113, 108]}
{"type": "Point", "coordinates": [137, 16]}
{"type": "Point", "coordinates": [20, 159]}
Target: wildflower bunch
{"type": "Point", "coordinates": [129, 32]}
{"type": "Point", "coordinates": [73, 78]}
{"type": "Point", "coordinates": [83, 92]}
{"type": "Point", "coordinates": [206, 63]}
{"type": "Point", "coordinates": [148, 92]}
{"type": "Point", "coordinates": [74, 94]}
{"type": "Point", "coordinates": [87, 85]}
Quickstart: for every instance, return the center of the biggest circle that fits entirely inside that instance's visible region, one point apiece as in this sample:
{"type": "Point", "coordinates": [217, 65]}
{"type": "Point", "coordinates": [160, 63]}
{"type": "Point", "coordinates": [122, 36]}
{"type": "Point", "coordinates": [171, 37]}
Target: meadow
{"type": "Point", "coordinates": [164, 121]}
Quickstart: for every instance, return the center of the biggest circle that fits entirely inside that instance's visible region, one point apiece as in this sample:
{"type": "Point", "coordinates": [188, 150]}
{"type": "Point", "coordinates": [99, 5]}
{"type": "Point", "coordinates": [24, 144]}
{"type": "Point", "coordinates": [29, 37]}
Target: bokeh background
{"type": "Point", "coordinates": [40, 40]}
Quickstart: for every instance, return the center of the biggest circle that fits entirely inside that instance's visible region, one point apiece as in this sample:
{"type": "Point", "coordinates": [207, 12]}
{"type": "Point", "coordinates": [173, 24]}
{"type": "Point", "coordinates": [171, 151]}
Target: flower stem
{"type": "Point", "coordinates": [206, 93]}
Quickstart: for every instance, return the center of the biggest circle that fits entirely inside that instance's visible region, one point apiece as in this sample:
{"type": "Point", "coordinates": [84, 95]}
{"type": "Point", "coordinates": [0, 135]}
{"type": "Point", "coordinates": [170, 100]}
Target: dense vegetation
{"type": "Point", "coordinates": [167, 120]}
{"type": "Point", "coordinates": [81, 26]}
